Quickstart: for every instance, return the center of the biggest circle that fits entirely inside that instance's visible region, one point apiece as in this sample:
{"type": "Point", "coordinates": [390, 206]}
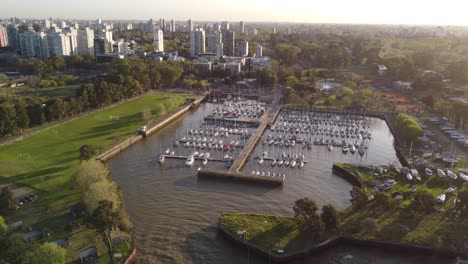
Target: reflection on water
{"type": "Point", "coordinates": [175, 213]}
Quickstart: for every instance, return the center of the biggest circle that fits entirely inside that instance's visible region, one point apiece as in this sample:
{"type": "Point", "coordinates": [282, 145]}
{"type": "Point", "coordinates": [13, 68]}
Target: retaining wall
{"type": "Point", "coordinates": [347, 175]}
{"type": "Point", "coordinates": [152, 128]}
{"type": "Point", "coordinates": [334, 241]}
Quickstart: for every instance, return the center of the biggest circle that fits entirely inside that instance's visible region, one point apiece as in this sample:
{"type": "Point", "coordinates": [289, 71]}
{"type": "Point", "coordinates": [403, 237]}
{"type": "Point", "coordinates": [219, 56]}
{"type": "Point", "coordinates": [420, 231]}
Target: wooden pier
{"type": "Point", "coordinates": [196, 158]}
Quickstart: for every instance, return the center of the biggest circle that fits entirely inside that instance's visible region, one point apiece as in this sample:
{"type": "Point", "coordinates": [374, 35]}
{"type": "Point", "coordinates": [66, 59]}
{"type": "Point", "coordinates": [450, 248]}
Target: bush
{"type": "Point", "coordinates": [329, 217]}
{"type": "Point", "coordinates": [370, 225]}
{"type": "Point", "coordinates": [423, 201]}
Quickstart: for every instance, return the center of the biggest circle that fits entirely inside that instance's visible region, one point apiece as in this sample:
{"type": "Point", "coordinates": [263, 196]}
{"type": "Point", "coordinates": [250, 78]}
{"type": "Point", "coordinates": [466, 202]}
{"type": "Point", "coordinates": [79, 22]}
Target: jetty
{"type": "Point", "coordinates": [266, 120]}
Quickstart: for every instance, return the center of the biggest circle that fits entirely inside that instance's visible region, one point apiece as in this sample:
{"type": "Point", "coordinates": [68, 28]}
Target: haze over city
{"type": "Point", "coordinates": [432, 12]}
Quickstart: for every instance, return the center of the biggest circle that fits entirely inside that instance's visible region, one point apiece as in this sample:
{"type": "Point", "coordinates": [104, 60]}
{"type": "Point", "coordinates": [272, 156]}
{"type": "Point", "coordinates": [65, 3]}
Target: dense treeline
{"type": "Point", "coordinates": [124, 79]}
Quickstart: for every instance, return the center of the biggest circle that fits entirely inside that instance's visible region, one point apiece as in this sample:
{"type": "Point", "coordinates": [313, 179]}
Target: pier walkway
{"type": "Point", "coordinates": [266, 120]}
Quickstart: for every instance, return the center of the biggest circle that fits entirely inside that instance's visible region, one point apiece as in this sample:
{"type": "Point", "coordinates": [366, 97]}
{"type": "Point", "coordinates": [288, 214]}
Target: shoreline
{"type": "Point", "coordinates": [339, 240]}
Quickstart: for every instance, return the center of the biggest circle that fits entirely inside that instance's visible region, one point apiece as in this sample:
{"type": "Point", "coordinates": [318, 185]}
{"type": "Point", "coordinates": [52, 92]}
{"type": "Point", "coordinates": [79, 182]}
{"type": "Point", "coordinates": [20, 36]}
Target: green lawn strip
{"type": "Point", "coordinates": [268, 232]}
{"type": "Point", "coordinates": [46, 161]}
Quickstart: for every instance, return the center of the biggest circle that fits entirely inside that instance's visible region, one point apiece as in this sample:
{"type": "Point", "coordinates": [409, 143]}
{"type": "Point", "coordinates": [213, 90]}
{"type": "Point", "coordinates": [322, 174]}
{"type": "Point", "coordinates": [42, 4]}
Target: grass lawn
{"type": "Point", "coordinates": [269, 232]}
{"type": "Point", "coordinates": [46, 162]}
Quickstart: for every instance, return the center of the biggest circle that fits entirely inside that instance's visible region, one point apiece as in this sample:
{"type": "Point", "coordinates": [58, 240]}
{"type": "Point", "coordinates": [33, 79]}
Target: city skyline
{"type": "Point", "coordinates": [429, 12]}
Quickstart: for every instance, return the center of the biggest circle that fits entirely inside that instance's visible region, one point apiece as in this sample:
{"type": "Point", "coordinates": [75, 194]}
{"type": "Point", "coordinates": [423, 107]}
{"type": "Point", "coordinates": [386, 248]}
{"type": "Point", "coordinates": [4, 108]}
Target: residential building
{"type": "Point", "coordinates": [259, 51]}
{"type": "Point", "coordinates": [190, 25]}
{"type": "Point", "coordinates": [162, 24]}
{"type": "Point", "coordinates": [242, 48]}
{"type": "Point", "coordinates": [220, 49]}
{"type": "Point", "coordinates": [234, 66]}
{"type": "Point", "coordinates": [225, 26]}
{"type": "Point", "coordinates": [197, 42]}
{"type": "Point", "coordinates": [228, 43]}
{"type": "Point", "coordinates": [202, 67]}
{"type": "Point", "coordinates": [213, 39]}
{"type": "Point", "coordinates": [86, 41]}
{"type": "Point", "coordinates": [72, 34]}
{"type": "Point", "coordinates": [158, 40]}
{"type": "Point", "coordinates": [13, 38]}
{"type": "Point", "coordinates": [242, 27]}
{"type": "Point", "coordinates": [121, 47]}
{"type": "Point", "coordinates": [58, 44]}
{"type": "Point", "coordinates": [3, 37]}
{"type": "Point", "coordinates": [32, 44]}
{"type": "Point", "coordinates": [173, 26]}
{"type": "Point", "coordinates": [260, 63]}
{"type": "Point", "coordinates": [100, 46]}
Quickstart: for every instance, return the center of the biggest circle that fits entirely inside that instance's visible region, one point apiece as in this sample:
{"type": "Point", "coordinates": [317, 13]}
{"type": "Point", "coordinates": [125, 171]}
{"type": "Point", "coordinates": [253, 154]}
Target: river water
{"type": "Point", "coordinates": [175, 214]}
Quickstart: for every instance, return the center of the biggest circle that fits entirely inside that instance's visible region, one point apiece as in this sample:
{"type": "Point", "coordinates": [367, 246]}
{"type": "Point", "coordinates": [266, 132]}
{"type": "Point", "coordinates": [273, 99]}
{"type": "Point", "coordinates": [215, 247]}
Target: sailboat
{"type": "Point", "coordinates": [162, 158]}
{"type": "Point", "coordinates": [190, 160]}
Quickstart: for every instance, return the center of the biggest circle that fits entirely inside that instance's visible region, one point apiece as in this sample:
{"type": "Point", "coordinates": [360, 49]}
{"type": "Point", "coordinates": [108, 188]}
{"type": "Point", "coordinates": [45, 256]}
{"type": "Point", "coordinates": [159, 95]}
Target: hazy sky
{"type": "Point", "coordinates": [435, 12]}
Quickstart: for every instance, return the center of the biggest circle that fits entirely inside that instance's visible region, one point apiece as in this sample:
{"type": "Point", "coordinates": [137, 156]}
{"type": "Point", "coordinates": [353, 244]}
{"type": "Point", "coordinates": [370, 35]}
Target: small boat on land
{"type": "Point", "coordinates": [428, 172]}
{"type": "Point", "coordinates": [441, 173]}
{"type": "Point", "coordinates": [409, 176]}
{"type": "Point", "coordinates": [463, 176]}
{"type": "Point", "coordinates": [452, 175]}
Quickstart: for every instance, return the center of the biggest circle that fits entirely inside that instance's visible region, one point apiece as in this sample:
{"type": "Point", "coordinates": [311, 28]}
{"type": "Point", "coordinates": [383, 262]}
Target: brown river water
{"type": "Point", "coordinates": [175, 214]}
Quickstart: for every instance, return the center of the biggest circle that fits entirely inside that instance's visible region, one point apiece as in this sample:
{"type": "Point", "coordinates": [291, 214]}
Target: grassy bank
{"type": "Point", "coordinates": [45, 163]}
{"type": "Point", "coordinates": [443, 228]}
{"type": "Point", "coordinates": [269, 232]}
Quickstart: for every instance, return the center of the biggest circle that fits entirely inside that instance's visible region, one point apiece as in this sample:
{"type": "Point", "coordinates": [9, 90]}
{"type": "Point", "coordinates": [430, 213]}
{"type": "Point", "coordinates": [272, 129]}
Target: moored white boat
{"type": "Point", "coordinates": [162, 158]}
{"type": "Point", "coordinates": [189, 161]}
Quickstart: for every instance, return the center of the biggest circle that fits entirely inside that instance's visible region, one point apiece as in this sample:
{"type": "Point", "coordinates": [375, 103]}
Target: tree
{"type": "Point", "coordinates": [45, 253]}
{"type": "Point", "coordinates": [36, 114]}
{"type": "Point", "coordinates": [7, 120]}
{"type": "Point", "coordinates": [7, 201]}
{"type": "Point", "coordinates": [306, 213]}
{"type": "Point", "coordinates": [329, 217]}
{"type": "Point", "coordinates": [458, 72]}
{"type": "Point", "coordinates": [287, 53]}
{"type": "Point", "coordinates": [105, 215]}
{"type": "Point", "coordinates": [408, 126]}
{"type": "Point", "coordinates": [3, 226]}
{"type": "Point", "coordinates": [423, 201]}
{"type": "Point", "coordinates": [86, 152]}
{"type": "Point", "coordinates": [22, 118]}
{"type": "Point", "coordinates": [383, 200]}
{"type": "Point", "coordinates": [358, 197]}
{"type": "Point", "coordinates": [370, 225]}
{"type": "Point", "coordinates": [462, 200]}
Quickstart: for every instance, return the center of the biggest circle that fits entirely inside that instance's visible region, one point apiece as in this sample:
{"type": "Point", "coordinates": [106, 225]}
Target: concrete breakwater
{"type": "Point", "coordinates": [347, 175]}
{"type": "Point", "coordinates": [397, 247]}
{"type": "Point", "coordinates": [152, 128]}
